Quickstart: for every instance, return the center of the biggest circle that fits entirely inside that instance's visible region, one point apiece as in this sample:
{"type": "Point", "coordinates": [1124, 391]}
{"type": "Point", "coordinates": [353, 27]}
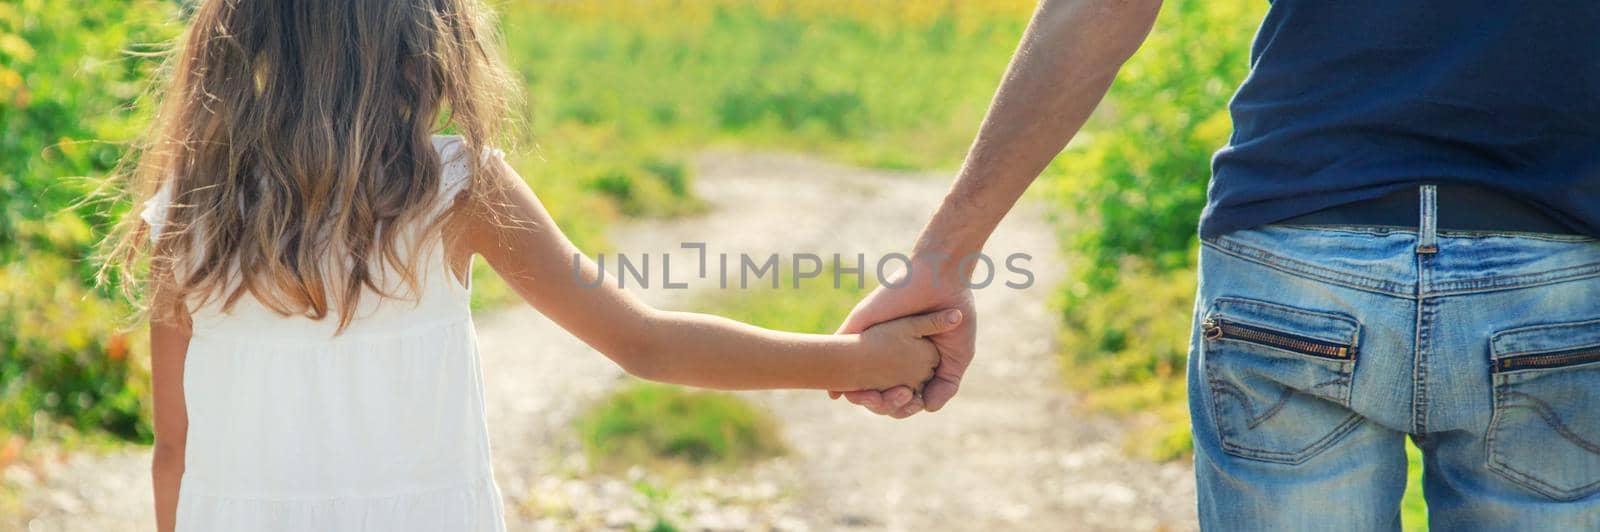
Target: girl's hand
{"type": "Point", "coordinates": [899, 354]}
{"type": "Point", "coordinates": [916, 294]}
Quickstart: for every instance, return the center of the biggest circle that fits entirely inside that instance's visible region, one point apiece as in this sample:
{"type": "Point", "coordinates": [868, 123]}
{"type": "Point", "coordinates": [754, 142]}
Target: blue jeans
{"type": "Point", "coordinates": [1317, 349]}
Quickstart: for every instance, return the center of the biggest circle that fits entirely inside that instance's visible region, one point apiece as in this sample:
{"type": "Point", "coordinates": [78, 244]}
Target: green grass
{"type": "Point", "coordinates": [652, 424]}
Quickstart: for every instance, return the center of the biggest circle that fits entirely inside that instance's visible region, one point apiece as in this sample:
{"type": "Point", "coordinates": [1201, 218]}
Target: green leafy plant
{"type": "Point", "coordinates": [1135, 183]}
{"type": "Point", "coordinates": [66, 82]}
{"type": "Point", "coordinates": [653, 423]}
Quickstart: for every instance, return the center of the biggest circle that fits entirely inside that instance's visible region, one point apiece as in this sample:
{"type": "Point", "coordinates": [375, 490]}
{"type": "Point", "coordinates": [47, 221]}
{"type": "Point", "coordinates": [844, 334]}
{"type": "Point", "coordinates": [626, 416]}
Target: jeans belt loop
{"type": "Point", "coordinates": [1428, 222]}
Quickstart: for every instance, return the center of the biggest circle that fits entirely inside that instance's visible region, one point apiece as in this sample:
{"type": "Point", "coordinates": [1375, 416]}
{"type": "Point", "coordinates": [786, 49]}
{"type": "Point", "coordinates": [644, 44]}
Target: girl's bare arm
{"type": "Point", "coordinates": [169, 345]}
{"type": "Point", "coordinates": [521, 242]}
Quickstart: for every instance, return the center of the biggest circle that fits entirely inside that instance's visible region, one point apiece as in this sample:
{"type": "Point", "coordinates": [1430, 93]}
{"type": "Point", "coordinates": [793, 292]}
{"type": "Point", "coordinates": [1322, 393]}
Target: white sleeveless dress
{"type": "Point", "coordinates": [380, 428]}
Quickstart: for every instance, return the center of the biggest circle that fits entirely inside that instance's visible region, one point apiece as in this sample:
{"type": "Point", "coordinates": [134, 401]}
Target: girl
{"type": "Point", "coordinates": [308, 240]}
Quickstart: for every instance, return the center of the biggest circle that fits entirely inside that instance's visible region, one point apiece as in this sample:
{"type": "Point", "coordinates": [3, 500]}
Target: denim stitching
{"type": "Point", "coordinates": [1562, 367]}
{"type": "Point", "coordinates": [1233, 390]}
{"type": "Point", "coordinates": [1497, 463]}
{"type": "Point", "coordinates": [1224, 431]}
{"type": "Point", "coordinates": [1219, 387]}
{"type": "Point", "coordinates": [1541, 487]}
{"type": "Point", "coordinates": [1548, 237]}
{"type": "Point", "coordinates": [1348, 379]}
{"type": "Point", "coordinates": [1336, 382]}
{"type": "Point", "coordinates": [1215, 309]}
{"type": "Point", "coordinates": [1555, 421]}
{"type": "Point", "coordinates": [1490, 456]}
{"type": "Point", "coordinates": [1304, 269]}
{"type": "Point", "coordinates": [1254, 420]}
{"type": "Point", "coordinates": [1428, 225]}
{"type": "Point", "coordinates": [1296, 354]}
{"type": "Point", "coordinates": [1421, 345]}
{"type": "Point", "coordinates": [1250, 253]}
{"type": "Point", "coordinates": [1507, 282]}
{"type": "Point", "coordinates": [1386, 230]}
{"type": "Point", "coordinates": [1355, 326]}
{"type": "Point", "coordinates": [1494, 340]}
{"type": "Point", "coordinates": [1298, 457]}
{"type": "Point", "coordinates": [1301, 269]}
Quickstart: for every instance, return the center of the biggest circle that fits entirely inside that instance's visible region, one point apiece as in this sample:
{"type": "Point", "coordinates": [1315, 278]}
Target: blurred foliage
{"type": "Point", "coordinates": [65, 83]}
{"type": "Point", "coordinates": [658, 497]}
{"type": "Point", "coordinates": [1134, 182]}
{"type": "Point", "coordinates": [650, 423]}
{"type": "Point", "coordinates": [1137, 177]}
{"type": "Point", "coordinates": [880, 83]}
{"type": "Point", "coordinates": [1127, 348]}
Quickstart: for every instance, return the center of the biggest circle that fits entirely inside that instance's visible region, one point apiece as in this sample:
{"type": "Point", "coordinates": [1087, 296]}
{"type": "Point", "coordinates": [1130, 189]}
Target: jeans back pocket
{"type": "Point", "coordinates": [1278, 378]}
{"type": "Point", "coordinates": [1544, 433]}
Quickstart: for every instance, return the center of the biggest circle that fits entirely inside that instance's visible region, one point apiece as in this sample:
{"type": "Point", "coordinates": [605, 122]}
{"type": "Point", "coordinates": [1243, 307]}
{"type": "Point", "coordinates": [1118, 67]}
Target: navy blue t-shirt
{"type": "Point", "coordinates": [1349, 100]}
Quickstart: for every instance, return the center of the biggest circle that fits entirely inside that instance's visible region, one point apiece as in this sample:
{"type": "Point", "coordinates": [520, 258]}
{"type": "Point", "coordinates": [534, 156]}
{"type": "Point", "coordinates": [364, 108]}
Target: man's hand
{"type": "Point", "coordinates": [919, 294]}
{"type": "Point", "coordinates": [1067, 59]}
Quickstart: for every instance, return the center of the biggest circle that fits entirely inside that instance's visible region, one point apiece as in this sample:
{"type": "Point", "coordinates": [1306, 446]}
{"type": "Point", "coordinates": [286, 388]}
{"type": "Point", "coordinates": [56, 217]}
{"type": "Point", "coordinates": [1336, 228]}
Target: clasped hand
{"type": "Point", "coordinates": [955, 343]}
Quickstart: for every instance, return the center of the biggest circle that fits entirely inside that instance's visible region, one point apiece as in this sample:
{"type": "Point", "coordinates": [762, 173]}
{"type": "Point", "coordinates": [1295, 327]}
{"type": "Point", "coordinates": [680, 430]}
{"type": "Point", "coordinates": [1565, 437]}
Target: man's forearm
{"type": "Point", "coordinates": [1066, 61]}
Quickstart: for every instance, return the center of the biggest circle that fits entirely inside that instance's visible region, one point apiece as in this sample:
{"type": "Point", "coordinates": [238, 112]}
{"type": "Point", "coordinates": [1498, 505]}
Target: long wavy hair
{"type": "Point", "coordinates": [295, 133]}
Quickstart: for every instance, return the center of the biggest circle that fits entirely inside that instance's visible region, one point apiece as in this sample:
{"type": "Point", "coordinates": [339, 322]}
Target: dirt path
{"type": "Point", "coordinates": [1009, 453]}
